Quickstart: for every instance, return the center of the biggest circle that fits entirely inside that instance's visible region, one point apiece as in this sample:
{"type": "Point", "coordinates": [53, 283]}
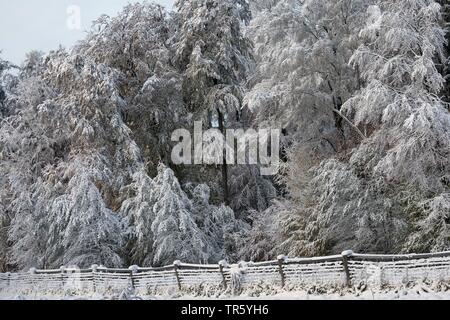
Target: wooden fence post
{"type": "Point", "coordinates": [223, 264]}
{"type": "Point", "coordinates": [63, 270]}
{"type": "Point", "coordinates": [281, 260]}
{"type": "Point", "coordinates": [176, 265]}
{"type": "Point", "coordinates": [133, 271]}
{"type": "Point", "coordinates": [346, 255]}
{"type": "Point", "coordinates": [94, 268]}
{"type": "Point", "coordinates": [32, 273]}
{"type": "Point", "coordinates": [9, 279]}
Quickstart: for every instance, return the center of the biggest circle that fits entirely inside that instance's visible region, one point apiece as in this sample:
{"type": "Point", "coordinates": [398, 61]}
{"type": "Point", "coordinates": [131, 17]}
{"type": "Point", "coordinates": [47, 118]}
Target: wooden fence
{"type": "Point", "coordinates": [347, 269]}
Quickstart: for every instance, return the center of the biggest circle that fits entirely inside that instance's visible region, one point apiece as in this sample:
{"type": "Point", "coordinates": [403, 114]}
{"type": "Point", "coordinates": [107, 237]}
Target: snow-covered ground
{"type": "Point", "coordinates": [416, 292]}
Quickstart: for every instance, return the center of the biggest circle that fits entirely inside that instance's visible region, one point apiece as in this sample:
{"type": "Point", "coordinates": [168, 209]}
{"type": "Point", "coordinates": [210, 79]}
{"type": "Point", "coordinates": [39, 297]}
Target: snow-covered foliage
{"type": "Point", "coordinates": [175, 233]}
{"type": "Point", "coordinates": [136, 44]}
{"type": "Point", "coordinates": [213, 52]}
{"type": "Point", "coordinates": [3, 67]}
{"type": "Point", "coordinates": [7, 82]}
{"type": "Point", "coordinates": [89, 129]}
{"type": "Point", "coordinates": [4, 219]}
{"type": "Point", "coordinates": [390, 193]}
{"type": "Point", "coordinates": [222, 230]}
{"type": "Point", "coordinates": [445, 66]}
{"type": "Point", "coordinates": [215, 58]}
{"type": "Point", "coordinates": [65, 155]}
{"type": "Point", "coordinates": [359, 88]}
{"type": "Point", "coordinates": [302, 77]}
{"type": "Point", "coordinates": [137, 215]}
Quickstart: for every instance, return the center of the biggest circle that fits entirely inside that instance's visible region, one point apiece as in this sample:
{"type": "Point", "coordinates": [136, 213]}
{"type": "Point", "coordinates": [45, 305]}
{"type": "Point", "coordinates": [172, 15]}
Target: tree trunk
{"type": "Point", "coordinates": [224, 165]}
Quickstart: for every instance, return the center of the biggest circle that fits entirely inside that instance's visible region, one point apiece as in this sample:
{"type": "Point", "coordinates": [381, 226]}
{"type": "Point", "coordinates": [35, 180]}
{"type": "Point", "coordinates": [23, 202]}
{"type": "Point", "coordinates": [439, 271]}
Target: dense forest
{"type": "Point", "coordinates": [358, 88]}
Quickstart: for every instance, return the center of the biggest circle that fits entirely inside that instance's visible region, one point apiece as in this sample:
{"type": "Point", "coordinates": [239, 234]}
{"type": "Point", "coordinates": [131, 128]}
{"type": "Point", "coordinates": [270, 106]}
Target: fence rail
{"type": "Point", "coordinates": [346, 269]}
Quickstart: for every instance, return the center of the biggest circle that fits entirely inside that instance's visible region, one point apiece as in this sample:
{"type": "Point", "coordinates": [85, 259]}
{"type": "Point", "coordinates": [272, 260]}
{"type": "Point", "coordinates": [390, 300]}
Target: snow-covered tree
{"type": "Point", "coordinates": [4, 66]}
{"type": "Point", "coordinates": [89, 126]}
{"type": "Point", "coordinates": [136, 44]}
{"type": "Point", "coordinates": [87, 232]}
{"type": "Point", "coordinates": [176, 235]}
{"type": "Point", "coordinates": [249, 190]}
{"type": "Point", "coordinates": [29, 231]}
{"type": "Point", "coordinates": [4, 221]}
{"type": "Point", "coordinates": [68, 136]}
{"type": "Point", "coordinates": [445, 65]}
{"type": "Point", "coordinates": [4, 224]}
{"type": "Point", "coordinates": [218, 224]}
{"type": "Point", "coordinates": [302, 78]}
{"type": "Point", "coordinates": [213, 52]}
{"type": "Point", "coordinates": [261, 242]}
{"type": "Point", "coordinates": [433, 229]}
{"type": "Point", "coordinates": [215, 58]}
{"type": "Point", "coordinates": [397, 177]}
{"type": "Point", "coordinates": [33, 64]}
{"type": "Point", "coordinates": [24, 151]}
{"type": "Point", "coordinates": [411, 144]}
{"type": "Point", "coordinates": [137, 214]}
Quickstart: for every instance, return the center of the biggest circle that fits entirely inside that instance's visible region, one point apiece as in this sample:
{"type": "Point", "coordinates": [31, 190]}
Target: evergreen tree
{"type": "Point", "coordinates": [138, 216]}
{"type": "Point", "coordinates": [88, 232]}
{"type": "Point", "coordinates": [176, 235]}
{"type": "Point", "coordinates": [218, 224]}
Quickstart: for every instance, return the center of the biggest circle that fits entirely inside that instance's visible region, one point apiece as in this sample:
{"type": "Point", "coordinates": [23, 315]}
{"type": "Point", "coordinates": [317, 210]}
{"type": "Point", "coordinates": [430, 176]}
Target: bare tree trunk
{"type": "Point", "coordinates": [224, 165]}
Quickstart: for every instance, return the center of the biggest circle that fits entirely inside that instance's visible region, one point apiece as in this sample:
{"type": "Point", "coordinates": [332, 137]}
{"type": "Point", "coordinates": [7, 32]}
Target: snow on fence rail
{"type": "Point", "coordinates": [346, 269]}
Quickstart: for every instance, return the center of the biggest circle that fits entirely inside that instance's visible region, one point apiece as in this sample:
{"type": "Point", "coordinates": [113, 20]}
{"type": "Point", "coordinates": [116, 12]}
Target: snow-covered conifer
{"type": "Point", "coordinates": [176, 235]}
{"type": "Point", "coordinates": [137, 214]}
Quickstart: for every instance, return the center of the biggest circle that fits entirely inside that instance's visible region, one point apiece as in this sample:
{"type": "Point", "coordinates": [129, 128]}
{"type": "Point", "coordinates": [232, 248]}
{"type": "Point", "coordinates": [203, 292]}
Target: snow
{"type": "Point", "coordinates": [417, 292]}
{"type": "Point", "coordinates": [85, 169]}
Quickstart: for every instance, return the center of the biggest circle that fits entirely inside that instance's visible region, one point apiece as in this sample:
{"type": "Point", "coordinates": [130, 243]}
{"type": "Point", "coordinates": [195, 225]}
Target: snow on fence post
{"type": "Point", "coordinates": [94, 268]}
{"type": "Point", "coordinates": [281, 260]}
{"type": "Point", "coordinates": [346, 255]}
{"type": "Point", "coordinates": [176, 265]}
{"type": "Point", "coordinates": [133, 270]}
{"type": "Point", "coordinates": [223, 264]}
{"type": "Point", "coordinates": [32, 273]}
{"type": "Point", "coordinates": [63, 270]}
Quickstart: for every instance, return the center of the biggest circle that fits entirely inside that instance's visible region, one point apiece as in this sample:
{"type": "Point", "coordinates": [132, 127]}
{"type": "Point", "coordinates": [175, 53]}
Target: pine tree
{"type": "Point", "coordinates": [218, 224]}
{"type": "Point", "coordinates": [137, 214]}
{"type": "Point", "coordinates": [89, 233]}
{"type": "Point", "coordinates": [29, 232]}
{"type": "Point", "coordinates": [176, 235]}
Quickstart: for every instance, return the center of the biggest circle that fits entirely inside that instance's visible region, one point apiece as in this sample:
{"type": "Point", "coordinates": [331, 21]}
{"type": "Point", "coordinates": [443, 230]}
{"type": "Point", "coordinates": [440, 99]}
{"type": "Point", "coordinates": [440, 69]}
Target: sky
{"type": "Point", "coordinates": [43, 25]}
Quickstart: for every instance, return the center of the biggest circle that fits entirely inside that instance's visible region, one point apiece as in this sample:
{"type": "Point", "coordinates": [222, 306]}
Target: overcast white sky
{"type": "Point", "coordinates": [27, 25]}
